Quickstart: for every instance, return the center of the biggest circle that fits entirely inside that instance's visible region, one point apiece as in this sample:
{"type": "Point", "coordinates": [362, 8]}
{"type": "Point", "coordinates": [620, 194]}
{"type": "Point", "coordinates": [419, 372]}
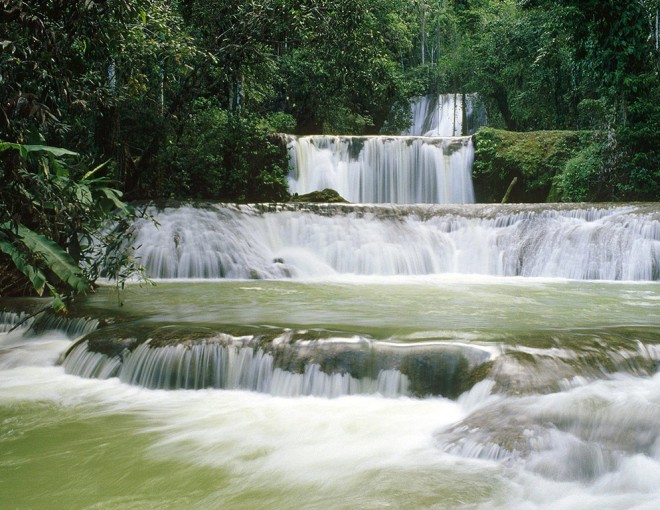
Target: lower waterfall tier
{"type": "Point", "coordinates": [320, 241]}
{"type": "Point", "coordinates": [295, 363]}
{"type": "Point", "coordinates": [282, 365]}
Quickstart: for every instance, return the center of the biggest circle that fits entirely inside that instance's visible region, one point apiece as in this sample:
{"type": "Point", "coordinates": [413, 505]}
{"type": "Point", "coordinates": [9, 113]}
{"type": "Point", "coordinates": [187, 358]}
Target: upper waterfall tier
{"type": "Point", "coordinates": [317, 241]}
{"type": "Point", "coordinates": [446, 115]}
{"type": "Point", "coordinates": [378, 169]}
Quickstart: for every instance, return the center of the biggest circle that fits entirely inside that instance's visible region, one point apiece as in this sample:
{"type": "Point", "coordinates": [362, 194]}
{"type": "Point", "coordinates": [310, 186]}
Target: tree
{"type": "Point", "coordinates": [55, 62]}
{"type": "Point", "coordinates": [616, 60]}
{"type": "Point", "coordinates": [343, 71]}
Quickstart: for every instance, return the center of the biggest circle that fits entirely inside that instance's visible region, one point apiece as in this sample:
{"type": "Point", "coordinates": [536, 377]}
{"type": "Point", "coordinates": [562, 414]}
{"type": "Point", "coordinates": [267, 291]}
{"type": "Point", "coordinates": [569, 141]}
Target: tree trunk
{"type": "Point", "coordinates": [423, 9]}
{"type": "Point", "coordinates": [236, 93]}
{"type": "Point", "coordinates": [502, 99]}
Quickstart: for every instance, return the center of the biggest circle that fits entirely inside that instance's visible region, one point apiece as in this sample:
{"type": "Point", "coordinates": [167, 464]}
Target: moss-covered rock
{"type": "Point", "coordinates": [536, 159]}
{"type": "Point", "coordinates": [327, 195]}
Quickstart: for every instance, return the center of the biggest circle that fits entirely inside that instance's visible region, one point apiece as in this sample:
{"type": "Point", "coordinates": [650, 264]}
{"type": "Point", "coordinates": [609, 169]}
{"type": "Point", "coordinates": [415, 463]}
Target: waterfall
{"type": "Point", "coordinates": [446, 115]}
{"type": "Point", "coordinates": [253, 242]}
{"type": "Point", "coordinates": [379, 169]}
{"type": "Point", "coordinates": [9, 320]}
{"type": "Point", "coordinates": [212, 365]}
{"type": "Point", "coordinates": [39, 323]}
{"type": "Point", "coordinates": [430, 164]}
{"type": "Point", "coordinates": [284, 365]}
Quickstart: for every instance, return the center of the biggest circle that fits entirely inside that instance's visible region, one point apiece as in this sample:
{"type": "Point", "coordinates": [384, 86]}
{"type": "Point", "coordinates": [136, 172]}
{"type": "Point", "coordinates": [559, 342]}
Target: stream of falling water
{"type": "Point", "coordinates": [316, 241]}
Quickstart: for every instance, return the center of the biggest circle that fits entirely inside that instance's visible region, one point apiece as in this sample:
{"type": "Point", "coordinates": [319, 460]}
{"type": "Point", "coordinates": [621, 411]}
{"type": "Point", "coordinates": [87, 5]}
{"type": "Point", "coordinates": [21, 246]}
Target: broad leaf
{"type": "Point", "coordinates": [84, 195]}
{"type": "Point", "coordinates": [113, 196]}
{"type": "Point", "coordinates": [55, 258]}
{"type": "Point", "coordinates": [58, 302]}
{"type": "Point", "coordinates": [26, 149]}
{"type": "Point", "coordinates": [55, 151]}
{"type": "Point", "coordinates": [34, 274]}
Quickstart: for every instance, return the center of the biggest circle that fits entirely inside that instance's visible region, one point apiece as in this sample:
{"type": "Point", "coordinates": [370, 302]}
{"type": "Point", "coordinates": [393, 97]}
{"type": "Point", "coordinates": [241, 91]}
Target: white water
{"type": "Point", "coordinates": [9, 320]}
{"type": "Point", "coordinates": [402, 170]}
{"type": "Point", "coordinates": [563, 442]}
{"type": "Point", "coordinates": [445, 115]}
{"type": "Point", "coordinates": [212, 365]}
{"type": "Point", "coordinates": [430, 164]}
{"type": "Point", "coordinates": [616, 243]}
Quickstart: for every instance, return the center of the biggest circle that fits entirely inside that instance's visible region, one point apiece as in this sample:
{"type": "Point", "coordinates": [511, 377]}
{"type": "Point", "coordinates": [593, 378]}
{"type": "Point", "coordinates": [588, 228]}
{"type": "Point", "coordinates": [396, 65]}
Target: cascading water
{"type": "Point", "coordinates": [383, 169]}
{"type": "Point", "coordinates": [10, 320]}
{"type": "Point", "coordinates": [212, 365]}
{"type": "Point", "coordinates": [609, 243]}
{"type": "Point", "coordinates": [503, 393]}
{"type": "Point", "coordinates": [430, 164]}
{"type": "Point", "coordinates": [286, 364]}
{"type": "Point", "coordinates": [446, 115]}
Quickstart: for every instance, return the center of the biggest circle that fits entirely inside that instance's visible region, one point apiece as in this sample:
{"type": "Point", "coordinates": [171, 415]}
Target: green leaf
{"type": "Point", "coordinates": [34, 274]}
{"type": "Point", "coordinates": [55, 258]}
{"type": "Point", "coordinates": [55, 151]}
{"type": "Point", "coordinates": [114, 196]}
{"type": "Point", "coordinates": [58, 302]}
{"type": "Point", "coordinates": [60, 169]}
{"type": "Point", "coordinates": [25, 149]}
{"type": "Point", "coordinates": [84, 195]}
{"type": "Point", "coordinates": [5, 146]}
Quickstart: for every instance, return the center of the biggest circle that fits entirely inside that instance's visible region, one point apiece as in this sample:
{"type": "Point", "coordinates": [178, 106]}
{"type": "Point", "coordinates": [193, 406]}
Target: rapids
{"type": "Point", "coordinates": [219, 241]}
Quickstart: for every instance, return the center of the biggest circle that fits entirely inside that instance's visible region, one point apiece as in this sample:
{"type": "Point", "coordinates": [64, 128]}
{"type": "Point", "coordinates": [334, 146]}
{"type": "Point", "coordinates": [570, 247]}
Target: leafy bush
{"type": "Point", "coordinates": [534, 158]}
{"type": "Point", "coordinates": [582, 177]}
{"type": "Point", "coordinates": [399, 119]}
{"type": "Point", "coordinates": [50, 223]}
{"type": "Point", "coordinates": [592, 114]}
{"type": "Point", "coordinates": [638, 167]}
{"type": "Point", "coordinates": [340, 120]}
{"type": "Point", "coordinates": [223, 155]}
{"type": "Point", "coordinates": [279, 122]}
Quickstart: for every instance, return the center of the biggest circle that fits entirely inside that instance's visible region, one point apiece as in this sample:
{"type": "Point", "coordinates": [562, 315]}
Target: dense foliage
{"type": "Point", "coordinates": [537, 166]}
{"type": "Point", "coordinates": [53, 224]}
{"type": "Point", "coordinates": [136, 80]}
{"type": "Point", "coordinates": [182, 97]}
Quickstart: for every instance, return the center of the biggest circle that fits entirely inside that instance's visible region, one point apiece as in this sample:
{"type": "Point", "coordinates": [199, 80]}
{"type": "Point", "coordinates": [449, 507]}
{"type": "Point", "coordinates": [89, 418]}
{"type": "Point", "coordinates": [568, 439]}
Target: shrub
{"type": "Point", "coordinates": [226, 156]}
{"type": "Point", "coordinates": [582, 178]}
{"type": "Point", "coordinates": [534, 158]}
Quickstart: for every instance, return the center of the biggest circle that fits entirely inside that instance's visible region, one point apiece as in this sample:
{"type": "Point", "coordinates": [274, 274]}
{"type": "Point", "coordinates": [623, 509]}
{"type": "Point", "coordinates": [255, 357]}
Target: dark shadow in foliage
{"type": "Point", "coordinates": [221, 155]}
